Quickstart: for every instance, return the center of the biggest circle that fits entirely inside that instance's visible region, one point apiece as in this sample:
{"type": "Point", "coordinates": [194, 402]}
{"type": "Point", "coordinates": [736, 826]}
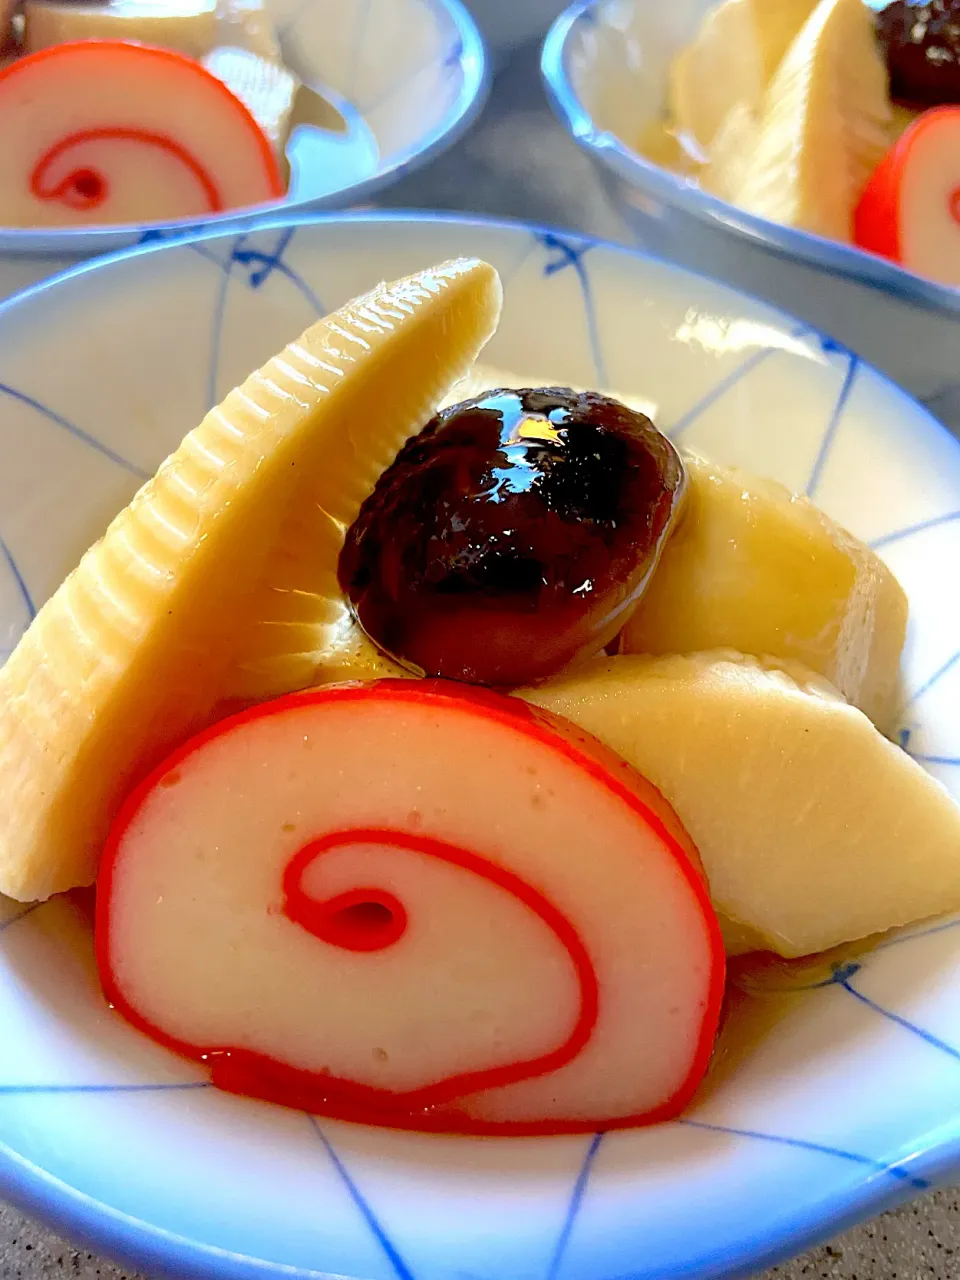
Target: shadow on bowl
{"type": "Point", "coordinates": [605, 65]}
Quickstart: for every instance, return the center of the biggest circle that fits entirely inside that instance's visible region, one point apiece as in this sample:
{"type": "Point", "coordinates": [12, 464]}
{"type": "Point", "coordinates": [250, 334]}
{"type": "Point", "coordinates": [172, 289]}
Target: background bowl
{"type": "Point", "coordinates": [605, 64]}
{"type": "Point", "coordinates": [807, 1123]}
{"type": "Point", "coordinates": [410, 76]}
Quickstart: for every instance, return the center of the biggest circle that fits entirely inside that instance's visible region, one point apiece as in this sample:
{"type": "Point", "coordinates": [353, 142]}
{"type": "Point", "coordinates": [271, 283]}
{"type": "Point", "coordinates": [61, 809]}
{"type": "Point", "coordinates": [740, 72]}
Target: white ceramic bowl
{"type": "Point", "coordinates": [848, 1100]}
{"type": "Point", "coordinates": [410, 75]}
{"type": "Point", "coordinates": [605, 63]}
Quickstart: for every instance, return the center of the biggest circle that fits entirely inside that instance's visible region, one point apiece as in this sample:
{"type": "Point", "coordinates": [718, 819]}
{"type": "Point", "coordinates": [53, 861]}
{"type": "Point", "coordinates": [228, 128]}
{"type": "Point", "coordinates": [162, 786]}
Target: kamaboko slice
{"type": "Point", "coordinates": [418, 905]}
{"type": "Point", "coordinates": [139, 646]}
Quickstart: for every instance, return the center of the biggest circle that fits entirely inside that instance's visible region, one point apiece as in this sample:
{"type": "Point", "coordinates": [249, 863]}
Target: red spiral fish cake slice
{"type": "Point", "coordinates": [105, 131]}
{"type": "Point", "coordinates": [409, 904]}
{"type": "Point", "coordinates": [910, 209]}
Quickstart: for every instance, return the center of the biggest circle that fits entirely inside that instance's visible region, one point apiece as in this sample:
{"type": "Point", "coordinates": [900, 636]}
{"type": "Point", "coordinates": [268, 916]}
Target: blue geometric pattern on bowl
{"type": "Point", "coordinates": [845, 1104]}
{"type": "Point", "coordinates": [605, 65]}
{"type": "Point", "coordinates": [410, 77]}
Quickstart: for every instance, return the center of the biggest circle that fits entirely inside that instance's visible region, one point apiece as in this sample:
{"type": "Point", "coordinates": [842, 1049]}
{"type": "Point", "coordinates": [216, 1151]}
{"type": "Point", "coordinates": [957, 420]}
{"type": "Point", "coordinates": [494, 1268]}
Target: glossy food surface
{"type": "Point", "coordinates": [922, 46]}
{"type": "Point", "coordinates": [515, 532]}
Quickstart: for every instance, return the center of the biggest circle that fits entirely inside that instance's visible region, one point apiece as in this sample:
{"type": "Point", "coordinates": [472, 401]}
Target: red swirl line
{"type": "Point", "coordinates": [953, 202]}
{"type": "Point", "coordinates": [364, 919]}
{"type": "Point", "coordinates": [65, 189]}
{"type": "Point", "coordinates": [236, 1065]}
{"type": "Point", "coordinates": [81, 189]}
{"type": "Point", "coordinates": [257, 1075]}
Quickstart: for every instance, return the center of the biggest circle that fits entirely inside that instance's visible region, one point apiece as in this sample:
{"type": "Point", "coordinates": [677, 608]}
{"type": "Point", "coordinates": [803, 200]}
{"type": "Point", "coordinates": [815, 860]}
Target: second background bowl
{"type": "Point", "coordinates": [605, 64]}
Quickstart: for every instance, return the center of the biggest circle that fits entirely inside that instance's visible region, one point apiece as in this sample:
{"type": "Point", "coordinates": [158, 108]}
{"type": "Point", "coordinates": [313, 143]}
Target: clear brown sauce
{"type": "Point", "coordinates": [762, 991]}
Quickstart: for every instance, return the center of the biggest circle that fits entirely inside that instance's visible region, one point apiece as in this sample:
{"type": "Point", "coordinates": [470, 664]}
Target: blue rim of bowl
{"type": "Point", "coordinates": [933, 1158]}
{"type": "Point", "coordinates": [468, 50]}
{"type": "Point", "coordinates": [784, 242]}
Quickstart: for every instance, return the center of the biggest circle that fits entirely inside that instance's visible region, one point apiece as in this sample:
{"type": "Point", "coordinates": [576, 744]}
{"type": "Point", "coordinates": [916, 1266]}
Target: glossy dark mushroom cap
{"type": "Point", "coordinates": [514, 533]}
{"type": "Point", "coordinates": [921, 43]}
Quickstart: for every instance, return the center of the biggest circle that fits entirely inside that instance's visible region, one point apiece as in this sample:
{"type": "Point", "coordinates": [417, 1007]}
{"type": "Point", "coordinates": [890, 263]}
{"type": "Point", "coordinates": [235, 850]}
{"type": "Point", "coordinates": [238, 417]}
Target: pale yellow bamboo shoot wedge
{"type": "Point", "coordinates": [158, 626]}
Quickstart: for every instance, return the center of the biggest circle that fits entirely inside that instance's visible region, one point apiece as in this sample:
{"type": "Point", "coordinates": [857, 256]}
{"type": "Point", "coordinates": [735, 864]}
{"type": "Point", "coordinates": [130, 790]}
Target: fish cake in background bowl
{"type": "Point", "coordinates": [822, 237]}
{"type": "Point", "coordinates": [233, 108]}
{"type": "Point", "coordinates": [800, 1107]}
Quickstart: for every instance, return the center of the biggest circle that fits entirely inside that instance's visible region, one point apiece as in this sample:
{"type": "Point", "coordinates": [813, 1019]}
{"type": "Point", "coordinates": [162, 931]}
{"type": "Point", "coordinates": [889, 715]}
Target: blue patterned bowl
{"type": "Point", "coordinates": [840, 1101]}
{"type": "Point", "coordinates": [409, 76]}
{"type": "Point", "coordinates": [605, 65]}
